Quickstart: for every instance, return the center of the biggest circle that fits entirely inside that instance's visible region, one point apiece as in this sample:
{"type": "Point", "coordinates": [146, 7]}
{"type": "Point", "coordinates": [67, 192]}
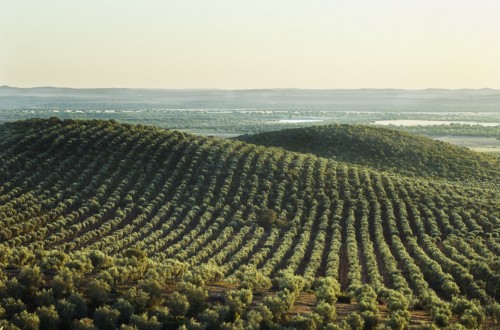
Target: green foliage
{"type": "Point", "coordinates": [12, 306]}
{"type": "Point", "coordinates": [100, 260]}
{"type": "Point", "coordinates": [31, 278]}
{"type": "Point", "coordinates": [236, 325]}
{"type": "Point", "coordinates": [15, 289]}
{"type": "Point", "coordinates": [472, 318]}
{"type": "Point", "coordinates": [96, 213]}
{"type": "Point", "coordinates": [396, 300]}
{"type": "Point", "coordinates": [209, 273]}
{"type": "Point", "coordinates": [125, 308]}
{"type": "Point", "coordinates": [254, 319]}
{"type": "Point", "coordinates": [69, 309]}
{"type": "Point", "coordinates": [469, 312]}
{"type": "Point", "coordinates": [173, 270]}
{"type": "Point", "coordinates": [493, 312]}
{"type": "Point", "coordinates": [98, 291]}
{"type": "Point", "coordinates": [5, 253]}
{"type": "Point", "coordinates": [105, 318]}
{"type": "Point", "coordinates": [267, 218]}
{"type": "Point", "coordinates": [138, 298]}
{"type": "Point", "coordinates": [399, 319]}
{"type": "Point", "coordinates": [135, 253]}
{"type": "Point", "coordinates": [326, 311]}
{"type": "Point", "coordinates": [383, 149]}
{"type": "Point", "coordinates": [162, 314]}
{"type": "Point", "coordinates": [280, 305]}
{"type": "Point", "coordinates": [238, 301]}
{"type": "Point", "coordinates": [26, 321]}
{"type": "Point", "coordinates": [311, 321]}
{"type": "Point", "coordinates": [249, 278]}
{"type": "Point", "coordinates": [178, 304]}
{"type": "Point", "coordinates": [441, 316]}
{"type": "Point", "coordinates": [143, 322]}
{"type": "Point", "coordinates": [80, 263]}
{"type": "Point", "coordinates": [288, 281]}
{"type": "Point", "coordinates": [153, 289]}
{"type": "Point", "coordinates": [397, 304]}
{"type": "Point", "coordinates": [213, 316]}
{"type": "Point", "coordinates": [53, 261]}
{"type": "Point", "coordinates": [49, 319]}
{"type": "Point", "coordinates": [355, 321]}
{"type": "Point", "coordinates": [84, 324]}
{"type": "Point", "coordinates": [326, 289]}
{"type": "Point", "coordinates": [196, 296]}
{"type": "Point", "coordinates": [21, 256]}
{"type": "Point", "coordinates": [65, 282]}
{"type": "Point", "coordinates": [367, 305]}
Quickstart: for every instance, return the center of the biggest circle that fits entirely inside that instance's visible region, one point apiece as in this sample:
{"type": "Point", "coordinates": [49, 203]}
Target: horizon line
{"type": "Point", "coordinates": [252, 89]}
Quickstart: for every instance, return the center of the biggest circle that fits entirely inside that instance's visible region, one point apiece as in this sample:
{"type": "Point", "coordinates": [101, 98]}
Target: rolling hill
{"type": "Point", "coordinates": [384, 149]}
{"type": "Point", "coordinates": [111, 208]}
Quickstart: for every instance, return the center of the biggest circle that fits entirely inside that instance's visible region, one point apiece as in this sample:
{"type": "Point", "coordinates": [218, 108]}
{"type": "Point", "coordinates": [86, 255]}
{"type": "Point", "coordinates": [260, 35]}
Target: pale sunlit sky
{"type": "Point", "coordinates": [237, 44]}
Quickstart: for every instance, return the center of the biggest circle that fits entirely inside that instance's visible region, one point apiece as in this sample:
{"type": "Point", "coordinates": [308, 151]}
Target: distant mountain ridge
{"type": "Point", "coordinates": [252, 89]}
{"type": "Point", "coordinates": [265, 99]}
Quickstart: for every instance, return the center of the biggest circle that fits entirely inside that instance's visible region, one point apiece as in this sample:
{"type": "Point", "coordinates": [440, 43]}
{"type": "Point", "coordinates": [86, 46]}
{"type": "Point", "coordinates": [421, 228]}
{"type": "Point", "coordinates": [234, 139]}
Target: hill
{"type": "Point", "coordinates": [384, 149]}
{"type": "Point", "coordinates": [117, 217]}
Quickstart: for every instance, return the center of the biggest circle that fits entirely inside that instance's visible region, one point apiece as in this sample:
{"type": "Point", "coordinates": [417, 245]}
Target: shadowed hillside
{"type": "Point", "coordinates": [384, 149]}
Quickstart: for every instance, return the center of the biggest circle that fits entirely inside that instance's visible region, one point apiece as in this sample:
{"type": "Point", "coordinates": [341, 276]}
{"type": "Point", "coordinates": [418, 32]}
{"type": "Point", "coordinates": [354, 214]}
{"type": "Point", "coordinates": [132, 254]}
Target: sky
{"type": "Point", "coordinates": [236, 44]}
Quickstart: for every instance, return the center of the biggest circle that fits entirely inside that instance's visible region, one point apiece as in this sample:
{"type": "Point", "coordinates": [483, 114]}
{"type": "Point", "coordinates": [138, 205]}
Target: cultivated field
{"type": "Point", "coordinates": [135, 226]}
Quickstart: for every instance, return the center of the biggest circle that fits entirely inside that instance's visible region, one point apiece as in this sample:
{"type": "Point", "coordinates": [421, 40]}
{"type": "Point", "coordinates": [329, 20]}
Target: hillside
{"type": "Point", "coordinates": [384, 149]}
{"type": "Point", "coordinates": [103, 209]}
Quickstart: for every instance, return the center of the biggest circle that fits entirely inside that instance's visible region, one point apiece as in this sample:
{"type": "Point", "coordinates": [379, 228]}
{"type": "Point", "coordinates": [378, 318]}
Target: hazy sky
{"type": "Point", "coordinates": [250, 44]}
